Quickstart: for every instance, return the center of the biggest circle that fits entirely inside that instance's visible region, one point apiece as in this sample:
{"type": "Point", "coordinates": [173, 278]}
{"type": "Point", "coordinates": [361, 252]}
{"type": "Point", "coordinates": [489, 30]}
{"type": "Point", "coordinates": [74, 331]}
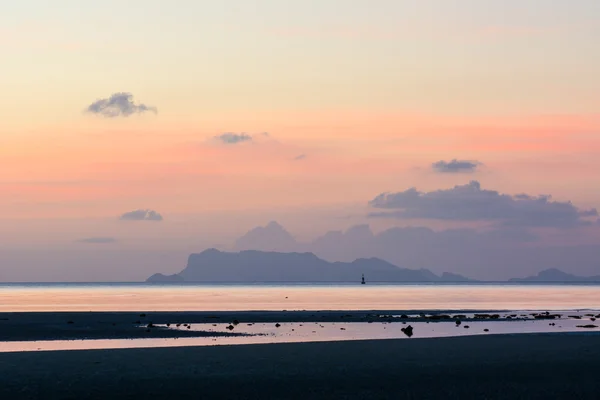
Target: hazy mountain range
{"type": "Point", "coordinates": [257, 266]}
{"type": "Point", "coordinates": [496, 254]}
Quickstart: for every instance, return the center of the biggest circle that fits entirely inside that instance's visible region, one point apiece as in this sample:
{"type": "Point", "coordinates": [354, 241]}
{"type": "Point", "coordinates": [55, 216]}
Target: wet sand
{"type": "Point", "coordinates": [547, 366]}
{"type": "Point", "coordinates": [26, 326]}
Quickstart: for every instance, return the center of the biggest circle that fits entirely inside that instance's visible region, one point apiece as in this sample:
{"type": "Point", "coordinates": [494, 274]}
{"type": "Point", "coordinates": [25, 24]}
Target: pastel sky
{"type": "Point", "coordinates": [324, 104]}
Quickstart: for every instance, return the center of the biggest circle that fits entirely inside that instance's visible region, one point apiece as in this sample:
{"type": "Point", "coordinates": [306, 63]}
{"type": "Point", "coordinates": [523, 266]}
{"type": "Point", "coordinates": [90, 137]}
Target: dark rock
{"type": "Point", "coordinates": [466, 326]}
{"type": "Point", "coordinates": [457, 323]}
{"type": "Point", "coordinates": [230, 327]}
{"type": "Point", "coordinates": [587, 326]}
{"type": "Point", "coordinates": [278, 325]}
{"type": "Point", "coordinates": [408, 331]}
{"type": "Point", "coordinates": [486, 330]}
{"type": "Point", "coordinates": [236, 322]}
{"type": "Point", "coordinates": [575, 316]}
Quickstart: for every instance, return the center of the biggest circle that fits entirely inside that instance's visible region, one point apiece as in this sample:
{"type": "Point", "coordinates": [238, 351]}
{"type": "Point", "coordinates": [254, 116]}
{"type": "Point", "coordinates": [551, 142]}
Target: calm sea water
{"type": "Point", "coordinates": [137, 297]}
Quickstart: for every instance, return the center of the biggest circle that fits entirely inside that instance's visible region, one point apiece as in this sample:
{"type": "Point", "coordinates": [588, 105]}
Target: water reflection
{"type": "Point", "coordinates": [123, 297]}
{"type": "Point", "coordinates": [316, 332]}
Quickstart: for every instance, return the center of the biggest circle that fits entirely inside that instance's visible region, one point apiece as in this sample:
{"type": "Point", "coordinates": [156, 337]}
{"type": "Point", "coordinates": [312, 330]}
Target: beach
{"type": "Point", "coordinates": [539, 366]}
{"type": "Point", "coordinates": [30, 326]}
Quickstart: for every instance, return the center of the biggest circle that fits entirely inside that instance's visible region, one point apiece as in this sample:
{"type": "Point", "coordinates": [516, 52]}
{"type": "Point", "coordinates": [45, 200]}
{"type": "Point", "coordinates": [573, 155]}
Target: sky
{"type": "Point", "coordinates": [133, 133]}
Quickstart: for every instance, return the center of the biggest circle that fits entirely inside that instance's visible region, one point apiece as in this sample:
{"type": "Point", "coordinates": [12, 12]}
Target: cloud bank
{"type": "Point", "coordinates": [455, 166]}
{"type": "Point", "coordinates": [233, 138]}
{"type": "Point", "coordinates": [118, 105]}
{"type": "Point", "coordinates": [141, 215]}
{"type": "Point", "coordinates": [472, 203]}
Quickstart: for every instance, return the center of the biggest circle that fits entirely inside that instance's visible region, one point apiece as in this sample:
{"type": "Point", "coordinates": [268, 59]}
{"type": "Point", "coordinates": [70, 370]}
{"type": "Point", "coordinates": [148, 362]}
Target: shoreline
{"type": "Point", "coordinates": [46, 326]}
{"type": "Point", "coordinates": [495, 367]}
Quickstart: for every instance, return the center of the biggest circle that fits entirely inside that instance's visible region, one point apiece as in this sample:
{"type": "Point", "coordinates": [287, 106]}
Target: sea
{"type": "Point", "coordinates": [44, 297]}
{"type": "Point", "coordinates": [578, 299]}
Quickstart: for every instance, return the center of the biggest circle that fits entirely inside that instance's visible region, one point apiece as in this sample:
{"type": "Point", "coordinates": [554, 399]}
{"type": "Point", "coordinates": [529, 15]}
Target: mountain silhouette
{"type": "Point", "coordinates": [556, 275]}
{"type": "Point", "coordinates": [257, 266]}
{"type": "Point", "coordinates": [272, 237]}
{"type": "Point", "coordinates": [495, 254]}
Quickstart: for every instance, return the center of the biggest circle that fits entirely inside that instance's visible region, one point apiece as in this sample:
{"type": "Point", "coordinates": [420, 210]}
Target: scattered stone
{"type": "Point", "coordinates": [168, 325]}
{"type": "Point", "coordinates": [230, 327]}
{"type": "Point", "coordinates": [457, 323]}
{"type": "Point", "coordinates": [486, 330]}
{"type": "Point", "coordinates": [404, 316]}
{"type": "Point", "coordinates": [178, 325]}
{"type": "Point", "coordinates": [466, 326]}
{"type": "Point", "coordinates": [236, 322]}
{"type": "Point", "coordinates": [277, 325]}
{"type": "Point", "coordinates": [408, 331]}
{"type": "Point", "coordinates": [587, 326]}
{"type": "Point", "coordinates": [341, 329]}
{"type": "Point", "coordinates": [592, 319]}
{"type": "Point", "coordinates": [575, 316]}
{"type": "Point", "coordinates": [189, 327]}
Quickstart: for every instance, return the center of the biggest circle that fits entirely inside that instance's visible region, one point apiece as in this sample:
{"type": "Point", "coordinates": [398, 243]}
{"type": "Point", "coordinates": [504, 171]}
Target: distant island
{"type": "Point", "coordinates": [248, 266]}
{"type": "Point", "coordinates": [556, 275]}
{"type": "Point", "coordinates": [258, 266]}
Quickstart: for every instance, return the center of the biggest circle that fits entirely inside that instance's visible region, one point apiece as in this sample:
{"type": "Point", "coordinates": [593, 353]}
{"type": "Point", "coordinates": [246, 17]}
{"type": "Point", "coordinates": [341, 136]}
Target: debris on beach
{"type": "Point", "coordinates": [587, 326]}
{"type": "Point", "coordinates": [408, 331]}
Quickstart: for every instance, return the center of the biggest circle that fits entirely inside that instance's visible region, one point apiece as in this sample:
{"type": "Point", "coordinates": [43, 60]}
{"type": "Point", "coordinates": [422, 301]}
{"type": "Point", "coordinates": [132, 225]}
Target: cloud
{"type": "Point", "coordinates": [141, 215]}
{"type": "Point", "coordinates": [118, 105]}
{"type": "Point", "coordinates": [300, 157]}
{"type": "Point", "coordinates": [471, 203]}
{"type": "Point", "coordinates": [98, 240]}
{"type": "Point", "coordinates": [455, 166]}
{"type": "Point", "coordinates": [234, 138]}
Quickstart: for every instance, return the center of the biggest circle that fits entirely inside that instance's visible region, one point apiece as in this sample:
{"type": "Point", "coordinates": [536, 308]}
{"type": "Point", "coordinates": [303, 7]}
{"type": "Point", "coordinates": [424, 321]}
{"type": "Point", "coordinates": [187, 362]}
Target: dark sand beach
{"type": "Point", "coordinates": [22, 326]}
{"type": "Point", "coordinates": [547, 366]}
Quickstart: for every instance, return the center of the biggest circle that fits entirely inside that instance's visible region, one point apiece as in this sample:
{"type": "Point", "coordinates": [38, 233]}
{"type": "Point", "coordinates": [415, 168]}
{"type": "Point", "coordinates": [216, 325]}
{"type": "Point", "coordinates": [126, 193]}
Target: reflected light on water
{"type": "Point", "coordinates": [123, 297]}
